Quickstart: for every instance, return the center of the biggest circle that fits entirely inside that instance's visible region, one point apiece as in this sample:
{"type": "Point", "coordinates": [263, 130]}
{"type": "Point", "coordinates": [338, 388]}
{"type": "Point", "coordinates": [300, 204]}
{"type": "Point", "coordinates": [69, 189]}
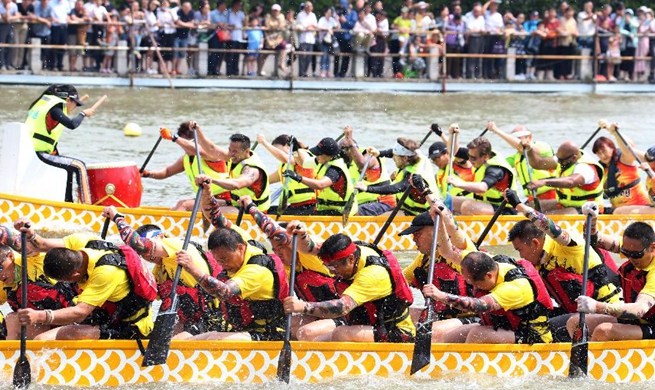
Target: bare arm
{"type": "Point", "coordinates": [171, 170]}
{"type": "Point", "coordinates": [627, 311]}
{"type": "Point", "coordinates": [69, 315]}
{"type": "Point", "coordinates": [330, 309]}
{"type": "Point", "coordinates": [546, 225]}
{"type": "Point", "coordinates": [277, 153]}
{"type": "Point", "coordinates": [189, 148]}
{"type": "Point", "coordinates": [210, 206]}
{"type": "Point", "coordinates": [538, 162]}
{"type": "Point", "coordinates": [248, 177]}
{"type": "Point", "coordinates": [514, 142]}
{"type": "Point", "coordinates": [467, 304]}
{"type": "Point", "coordinates": [214, 152]}
{"type": "Point", "coordinates": [626, 155]}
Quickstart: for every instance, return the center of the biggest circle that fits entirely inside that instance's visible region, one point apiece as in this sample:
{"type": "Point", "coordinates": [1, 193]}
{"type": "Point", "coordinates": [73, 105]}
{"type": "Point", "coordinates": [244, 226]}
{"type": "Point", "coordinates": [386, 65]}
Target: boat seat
{"type": "Point", "coordinates": [21, 170]}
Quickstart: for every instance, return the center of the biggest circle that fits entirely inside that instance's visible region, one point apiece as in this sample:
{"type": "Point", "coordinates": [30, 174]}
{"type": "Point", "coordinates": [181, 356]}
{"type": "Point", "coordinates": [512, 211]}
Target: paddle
{"type": "Point", "coordinates": [160, 338]}
{"type": "Point", "coordinates": [340, 136]}
{"type": "Point", "coordinates": [423, 340]}
{"type": "Point", "coordinates": [22, 369]}
{"type": "Point", "coordinates": [285, 187]}
{"type": "Point", "coordinates": [351, 200]}
{"type": "Point", "coordinates": [240, 216]}
{"type": "Point", "coordinates": [493, 219]}
{"type": "Point", "coordinates": [584, 145]}
{"type": "Point", "coordinates": [143, 167]}
{"type": "Point", "coordinates": [537, 206]}
{"type": "Point", "coordinates": [99, 102]}
{"type": "Point", "coordinates": [579, 348]}
{"type": "Point", "coordinates": [449, 198]}
{"type": "Point", "coordinates": [395, 211]}
{"type": "Point", "coordinates": [105, 229]}
{"type": "Point", "coordinates": [284, 362]}
{"type": "Point", "coordinates": [649, 172]}
{"type": "Point", "coordinates": [483, 133]}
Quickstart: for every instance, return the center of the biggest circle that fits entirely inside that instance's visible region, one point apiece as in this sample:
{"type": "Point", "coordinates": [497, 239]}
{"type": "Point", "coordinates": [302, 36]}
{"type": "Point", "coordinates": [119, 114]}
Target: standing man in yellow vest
{"type": "Point", "coordinates": [186, 163]}
{"type": "Point", "coordinates": [578, 179]}
{"type": "Point", "coordinates": [493, 176]}
{"type": "Point", "coordinates": [46, 121]}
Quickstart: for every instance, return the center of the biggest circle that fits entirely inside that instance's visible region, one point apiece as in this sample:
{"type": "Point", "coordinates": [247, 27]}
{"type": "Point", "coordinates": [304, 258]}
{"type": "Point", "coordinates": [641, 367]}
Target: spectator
{"type": "Point", "coordinates": [415, 63]}
{"type": "Point", "coordinates": [43, 18]}
{"type": "Point", "coordinates": [184, 23]}
{"type": "Point", "coordinates": [347, 19]}
{"type": "Point", "coordinates": [77, 20]}
{"type": "Point", "coordinates": [307, 23]}
{"type": "Point", "coordinates": [604, 31]}
{"type": "Point", "coordinates": [202, 21]}
{"type": "Point", "coordinates": [235, 20]}
{"type": "Point", "coordinates": [443, 18]}
{"type": "Point", "coordinates": [516, 36]}
{"type": "Point", "coordinates": [362, 33]}
{"type": "Point", "coordinates": [219, 38]}
{"type": "Point", "coordinates": [568, 33]}
{"type": "Point", "coordinates": [533, 43]}
{"type": "Point", "coordinates": [494, 42]}
{"type": "Point", "coordinates": [376, 68]}
{"type": "Point", "coordinates": [475, 27]}
{"type": "Point", "coordinates": [99, 15]}
{"type": "Point", "coordinates": [403, 24]}
{"type": "Point", "coordinates": [110, 42]}
{"type": "Point", "coordinates": [628, 44]}
{"type": "Point", "coordinates": [423, 19]}
{"type": "Point", "coordinates": [454, 45]}
{"type": "Point", "coordinates": [59, 31]}
{"type": "Point", "coordinates": [587, 26]}
{"type": "Point", "coordinates": [326, 26]}
{"type": "Point", "coordinates": [618, 17]}
{"type": "Point", "coordinates": [530, 25]}
{"type": "Point", "coordinates": [651, 23]}
{"type": "Point", "coordinates": [614, 52]}
{"type": "Point", "coordinates": [8, 14]}
{"type": "Point", "coordinates": [642, 49]}
{"type": "Point", "coordinates": [275, 26]}
{"type": "Point", "coordinates": [22, 31]}
{"type": "Point", "coordinates": [255, 43]}
{"type": "Point", "coordinates": [166, 19]}
{"type": "Point", "coordinates": [137, 31]}
{"type": "Point", "coordinates": [549, 43]}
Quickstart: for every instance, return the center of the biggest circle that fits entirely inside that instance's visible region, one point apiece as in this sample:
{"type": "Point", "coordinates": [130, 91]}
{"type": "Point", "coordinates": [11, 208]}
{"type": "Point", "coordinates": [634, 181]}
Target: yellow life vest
{"type": "Point", "coordinates": [493, 195]}
{"type": "Point", "coordinates": [330, 200]}
{"type": "Point", "coordinates": [44, 140]}
{"type": "Point", "coordinates": [412, 205]}
{"type": "Point", "coordinates": [191, 170]}
{"type": "Point", "coordinates": [442, 184]}
{"type": "Point", "coordinates": [367, 197]}
{"type": "Point", "coordinates": [298, 192]}
{"type": "Point", "coordinates": [578, 196]}
{"type": "Point", "coordinates": [262, 201]}
{"type": "Point", "coordinates": [521, 167]}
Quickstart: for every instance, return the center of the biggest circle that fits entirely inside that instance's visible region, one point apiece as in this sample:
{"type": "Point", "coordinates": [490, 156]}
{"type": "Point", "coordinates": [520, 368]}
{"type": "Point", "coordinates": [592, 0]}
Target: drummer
{"type": "Point", "coordinates": [46, 121]}
{"type": "Point", "coordinates": [214, 168]}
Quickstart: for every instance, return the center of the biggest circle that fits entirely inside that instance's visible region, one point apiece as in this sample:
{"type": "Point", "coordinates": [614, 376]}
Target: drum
{"type": "Point", "coordinates": [115, 184]}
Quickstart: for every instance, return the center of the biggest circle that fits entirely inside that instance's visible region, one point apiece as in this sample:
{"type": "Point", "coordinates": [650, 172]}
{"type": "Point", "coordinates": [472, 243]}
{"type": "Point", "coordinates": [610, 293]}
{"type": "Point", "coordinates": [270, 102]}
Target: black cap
{"type": "Point", "coordinates": [68, 91]}
{"type": "Point", "coordinates": [462, 153]}
{"type": "Point", "coordinates": [327, 146]}
{"type": "Point", "coordinates": [419, 222]}
{"type": "Point", "coordinates": [650, 154]}
{"type": "Point", "coordinates": [437, 149]}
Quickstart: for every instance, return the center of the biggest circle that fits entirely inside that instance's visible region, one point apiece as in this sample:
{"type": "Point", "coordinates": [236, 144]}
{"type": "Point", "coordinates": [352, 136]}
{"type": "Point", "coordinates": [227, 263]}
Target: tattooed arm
{"type": "Point", "coordinates": [327, 309]}
{"type": "Point", "coordinates": [546, 225]}
{"type": "Point", "coordinates": [216, 288]}
{"type": "Point", "coordinates": [468, 304]}
{"type": "Point", "coordinates": [10, 237]}
{"type": "Point", "coordinates": [627, 311]}
{"type": "Point", "coordinates": [249, 175]}
{"type": "Point", "coordinates": [305, 244]}
{"type": "Point", "coordinates": [272, 230]}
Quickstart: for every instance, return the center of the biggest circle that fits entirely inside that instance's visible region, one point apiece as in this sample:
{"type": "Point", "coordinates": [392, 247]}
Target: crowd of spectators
{"type": "Point", "coordinates": [324, 42]}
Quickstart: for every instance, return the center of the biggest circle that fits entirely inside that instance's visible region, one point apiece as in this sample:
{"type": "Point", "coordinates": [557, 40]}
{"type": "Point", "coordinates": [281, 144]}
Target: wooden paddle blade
{"type": "Point", "coordinates": [22, 373]}
{"type": "Point", "coordinates": [422, 347]}
{"type": "Point", "coordinates": [284, 363]}
{"type": "Point", "coordinates": [347, 209]}
{"type": "Point", "coordinates": [579, 353]}
{"type": "Point", "coordinates": [160, 339]}
{"type": "Point", "coordinates": [281, 208]}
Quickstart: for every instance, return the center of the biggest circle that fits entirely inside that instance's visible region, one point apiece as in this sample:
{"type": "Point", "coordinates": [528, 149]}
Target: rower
{"type": "Point", "coordinates": [438, 154]}
{"type": "Point", "coordinates": [198, 312]}
{"type": "Point", "coordinates": [510, 297]}
{"type": "Point", "coordinates": [116, 290]}
{"type": "Point", "coordinates": [633, 319]}
{"type": "Point", "coordinates": [333, 183]}
{"type": "Point", "coordinates": [517, 160]}
{"type": "Point", "coordinates": [186, 163]}
{"type": "Point", "coordinates": [43, 293]}
{"type": "Point", "coordinates": [314, 282]}
{"type": "Point", "coordinates": [558, 255]}
{"type": "Point", "coordinates": [46, 121]}
{"type": "Point", "coordinates": [446, 277]}
{"type": "Point", "coordinates": [493, 175]}
{"type": "Point", "coordinates": [251, 288]}
{"type": "Point", "coordinates": [649, 165]}
{"type": "Point", "coordinates": [623, 185]}
{"type": "Point", "coordinates": [246, 172]}
{"type": "Point", "coordinates": [578, 178]}
{"type": "Point", "coordinates": [409, 160]}
{"type": "Point", "coordinates": [374, 296]}
{"type": "Point", "coordinates": [302, 199]}
{"type": "Point", "coordinates": [369, 204]}
{"type": "Point", "coordinates": [462, 165]}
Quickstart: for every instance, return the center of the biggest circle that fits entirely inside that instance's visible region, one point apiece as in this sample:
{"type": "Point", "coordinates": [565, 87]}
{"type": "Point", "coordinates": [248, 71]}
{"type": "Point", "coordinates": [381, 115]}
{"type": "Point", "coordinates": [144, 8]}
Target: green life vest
{"type": "Point", "coordinates": [298, 192]}
{"type": "Point", "coordinates": [44, 140]}
{"type": "Point", "coordinates": [330, 200]}
{"type": "Point", "coordinates": [578, 196]}
{"type": "Point", "coordinates": [493, 195]}
{"type": "Point", "coordinates": [191, 170]}
{"type": "Point", "coordinates": [263, 201]}
{"type": "Point", "coordinates": [521, 167]}
{"type": "Point", "coordinates": [415, 204]}
{"type": "Point", "coordinates": [367, 197]}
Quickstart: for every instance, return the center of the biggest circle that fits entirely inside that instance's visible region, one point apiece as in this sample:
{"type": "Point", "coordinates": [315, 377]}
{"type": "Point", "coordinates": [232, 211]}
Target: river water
{"type": "Point", "coordinates": [378, 119]}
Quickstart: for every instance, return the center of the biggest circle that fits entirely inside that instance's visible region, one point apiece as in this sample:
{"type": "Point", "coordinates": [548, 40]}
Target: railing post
{"type": "Point", "coordinates": [203, 59]}
{"type": "Point", "coordinates": [510, 63]}
{"type": "Point", "coordinates": [359, 64]}
{"type": "Point", "coordinates": [121, 59]}
{"type": "Point", "coordinates": [433, 63]}
{"type": "Point", "coordinates": [585, 66]}
{"type": "Point", "coordinates": [35, 55]}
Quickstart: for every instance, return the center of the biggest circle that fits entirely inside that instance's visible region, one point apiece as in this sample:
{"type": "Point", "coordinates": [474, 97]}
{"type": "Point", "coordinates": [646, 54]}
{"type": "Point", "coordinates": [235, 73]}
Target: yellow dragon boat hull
{"type": "Point", "coordinates": [115, 363]}
{"type": "Point", "coordinates": [60, 216]}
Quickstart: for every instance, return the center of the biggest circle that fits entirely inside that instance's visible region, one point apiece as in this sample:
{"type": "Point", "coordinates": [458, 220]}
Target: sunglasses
{"type": "Point", "coordinates": [566, 159]}
{"type": "Point", "coordinates": [633, 254]}
{"type": "Point", "coordinates": [336, 264]}
{"type": "Point", "coordinates": [473, 157]}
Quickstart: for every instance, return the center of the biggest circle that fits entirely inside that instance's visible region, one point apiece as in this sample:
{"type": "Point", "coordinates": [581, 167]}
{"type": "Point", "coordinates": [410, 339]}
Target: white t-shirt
{"type": "Point", "coordinates": [474, 24]}
{"type": "Point", "coordinates": [166, 19]}
{"type": "Point", "coordinates": [587, 172]}
{"type": "Point", "coordinates": [325, 23]}
{"type": "Point", "coordinates": [586, 28]}
{"type": "Point", "coordinates": [306, 20]}
{"type": "Point", "coordinates": [493, 22]}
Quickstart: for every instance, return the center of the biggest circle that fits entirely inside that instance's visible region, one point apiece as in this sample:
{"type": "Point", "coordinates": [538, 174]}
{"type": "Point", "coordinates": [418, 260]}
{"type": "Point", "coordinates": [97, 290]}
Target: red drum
{"type": "Point", "coordinates": [115, 184]}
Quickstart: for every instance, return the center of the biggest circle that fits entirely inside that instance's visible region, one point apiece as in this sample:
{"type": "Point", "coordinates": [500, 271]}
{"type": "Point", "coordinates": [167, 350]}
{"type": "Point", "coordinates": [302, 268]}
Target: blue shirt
{"type": "Point", "coordinates": [254, 39]}
{"type": "Point", "coordinates": [216, 17]}
{"type": "Point", "coordinates": [530, 25]}
{"type": "Point", "coordinates": [349, 24]}
{"type": "Point", "coordinates": [41, 29]}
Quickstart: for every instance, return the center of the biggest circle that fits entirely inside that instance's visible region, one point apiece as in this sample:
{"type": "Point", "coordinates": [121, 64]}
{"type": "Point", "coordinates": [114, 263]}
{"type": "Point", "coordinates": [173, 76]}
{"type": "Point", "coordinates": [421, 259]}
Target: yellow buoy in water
{"type": "Point", "coordinates": [132, 130]}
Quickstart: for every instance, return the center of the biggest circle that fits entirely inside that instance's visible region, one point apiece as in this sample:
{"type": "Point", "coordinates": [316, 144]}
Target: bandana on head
{"type": "Point", "coordinates": [400, 150]}
{"type": "Point", "coordinates": [349, 250]}
{"type": "Point", "coordinates": [151, 233]}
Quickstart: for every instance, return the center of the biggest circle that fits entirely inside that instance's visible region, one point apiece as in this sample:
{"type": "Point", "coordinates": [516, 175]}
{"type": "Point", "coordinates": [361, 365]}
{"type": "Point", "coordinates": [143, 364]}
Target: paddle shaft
{"type": "Point", "coordinates": [451, 161]}
{"type": "Point", "coordinates": [292, 281]}
{"type": "Point", "coordinates": [99, 102]}
{"type": "Point", "coordinates": [584, 145]}
{"type": "Point", "coordinates": [483, 132]}
{"type": "Point", "coordinates": [143, 167]}
{"type": "Point", "coordinates": [351, 199]}
{"type": "Point", "coordinates": [283, 200]}
{"type": "Point", "coordinates": [392, 215]}
{"type": "Point", "coordinates": [648, 171]}
{"type": "Point", "coordinates": [105, 228]}
{"type": "Point", "coordinates": [534, 191]}
{"type": "Point", "coordinates": [493, 219]}
{"type": "Point", "coordinates": [240, 216]}
{"type": "Point", "coordinates": [433, 256]}
{"type": "Point", "coordinates": [22, 371]}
